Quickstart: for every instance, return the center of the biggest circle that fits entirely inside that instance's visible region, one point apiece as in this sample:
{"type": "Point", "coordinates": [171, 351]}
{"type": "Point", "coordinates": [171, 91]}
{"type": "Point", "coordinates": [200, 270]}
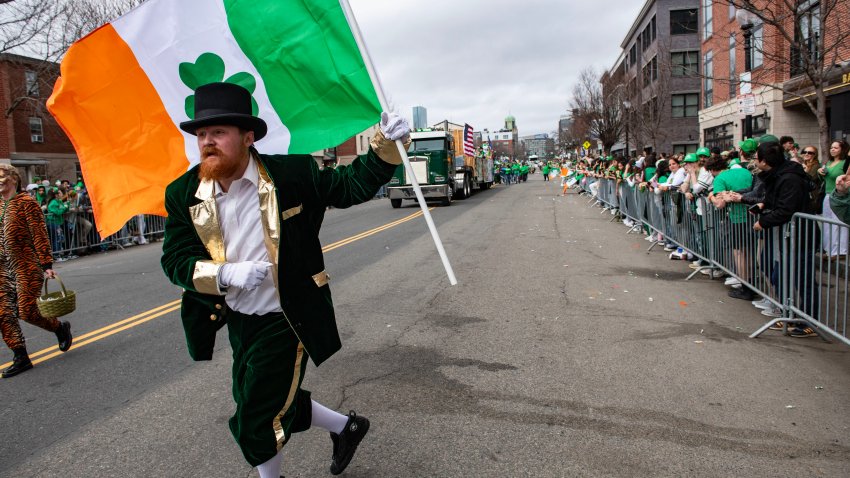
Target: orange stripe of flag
{"type": "Point", "coordinates": [129, 148]}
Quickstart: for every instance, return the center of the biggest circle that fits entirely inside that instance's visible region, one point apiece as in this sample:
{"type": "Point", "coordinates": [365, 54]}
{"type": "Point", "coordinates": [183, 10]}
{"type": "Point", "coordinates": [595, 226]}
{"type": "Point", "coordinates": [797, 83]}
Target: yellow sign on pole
{"type": "Point", "coordinates": [586, 145]}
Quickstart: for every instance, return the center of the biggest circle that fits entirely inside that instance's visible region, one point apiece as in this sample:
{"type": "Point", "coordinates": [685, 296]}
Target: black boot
{"type": "Point", "coordinates": [21, 363]}
{"type": "Point", "coordinates": [63, 335]}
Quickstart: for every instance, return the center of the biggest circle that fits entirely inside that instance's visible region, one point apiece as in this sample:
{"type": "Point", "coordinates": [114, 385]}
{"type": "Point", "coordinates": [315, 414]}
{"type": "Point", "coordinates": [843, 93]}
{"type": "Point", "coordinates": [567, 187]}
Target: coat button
{"type": "Point", "coordinates": [218, 306]}
{"type": "Point", "coordinates": [213, 317]}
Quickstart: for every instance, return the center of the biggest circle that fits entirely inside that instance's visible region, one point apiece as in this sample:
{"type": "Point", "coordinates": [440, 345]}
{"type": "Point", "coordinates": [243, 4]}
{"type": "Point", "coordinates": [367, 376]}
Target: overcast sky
{"type": "Point", "coordinates": [476, 61]}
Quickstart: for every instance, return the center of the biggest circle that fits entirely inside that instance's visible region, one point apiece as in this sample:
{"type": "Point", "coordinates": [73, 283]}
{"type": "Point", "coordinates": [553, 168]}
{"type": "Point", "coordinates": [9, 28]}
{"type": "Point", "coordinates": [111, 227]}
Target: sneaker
{"type": "Point", "coordinates": [742, 293]}
{"type": "Point", "coordinates": [732, 281]}
{"type": "Point", "coordinates": [772, 312]}
{"type": "Point", "coordinates": [345, 444]}
{"type": "Point", "coordinates": [613, 211]}
{"type": "Point", "coordinates": [649, 238]}
{"type": "Point", "coordinates": [694, 265]}
{"type": "Point", "coordinates": [669, 247]}
{"type": "Point", "coordinates": [777, 326]}
{"type": "Point", "coordinates": [713, 273]}
{"type": "Point", "coordinates": [763, 304]}
{"type": "Point", "coordinates": [802, 332]}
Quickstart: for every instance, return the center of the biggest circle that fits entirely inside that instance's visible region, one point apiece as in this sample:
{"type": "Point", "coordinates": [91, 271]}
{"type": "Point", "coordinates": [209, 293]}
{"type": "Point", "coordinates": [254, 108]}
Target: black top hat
{"type": "Point", "coordinates": [227, 104]}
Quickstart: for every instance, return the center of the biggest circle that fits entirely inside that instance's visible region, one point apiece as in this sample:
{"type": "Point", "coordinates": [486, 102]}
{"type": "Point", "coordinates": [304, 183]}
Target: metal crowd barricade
{"type": "Point", "coordinates": [783, 264]}
{"type": "Point", "coordinates": [78, 234]}
{"type": "Point", "coordinates": [818, 291]}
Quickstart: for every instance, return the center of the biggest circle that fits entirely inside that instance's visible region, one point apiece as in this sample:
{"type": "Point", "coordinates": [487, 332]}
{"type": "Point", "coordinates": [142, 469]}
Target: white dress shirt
{"type": "Point", "coordinates": [242, 230]}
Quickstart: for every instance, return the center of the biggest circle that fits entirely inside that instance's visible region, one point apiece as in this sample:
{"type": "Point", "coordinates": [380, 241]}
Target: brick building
{"type": "Point", "coordinates": [760, 64]}
{"type": "Point", "coordinates": [660, 90]}
{"type": "Point", "coordinates": [30, 138]}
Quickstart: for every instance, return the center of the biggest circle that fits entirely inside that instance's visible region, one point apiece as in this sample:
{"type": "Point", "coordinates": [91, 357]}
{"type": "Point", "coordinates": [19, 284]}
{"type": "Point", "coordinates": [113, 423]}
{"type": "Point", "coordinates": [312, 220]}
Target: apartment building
{"type": "Point", "coordinates": [753, 76]}
{"type": "Point", "coordinates": [30, 138]}
{"type": "Point", "coordinates": [657, 80]}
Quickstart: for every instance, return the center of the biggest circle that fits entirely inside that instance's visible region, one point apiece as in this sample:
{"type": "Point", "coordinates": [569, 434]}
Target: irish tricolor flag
{"type": "Point", "coordinates": [124, 88]}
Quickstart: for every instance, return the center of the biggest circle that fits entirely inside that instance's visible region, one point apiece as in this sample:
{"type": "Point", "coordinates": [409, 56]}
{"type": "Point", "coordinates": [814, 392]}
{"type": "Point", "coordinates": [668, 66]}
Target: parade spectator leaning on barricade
{"type": "Point", "coordinates": [57, 206]}
{"type": "Point", "coordinates": [734, 230]}
{"type": "Point", "coordinates": [810, 162]}
{"type": "Point", "coordinates": [786, 188]}
{"type": "Point", "coordinates": [696, 186]}
{"type": "Point", "coordinates": [674, 180]}
{"type": "Point", "coordinates": [840, 199]}
{"type": "Point", "coordinates": [834, 238]}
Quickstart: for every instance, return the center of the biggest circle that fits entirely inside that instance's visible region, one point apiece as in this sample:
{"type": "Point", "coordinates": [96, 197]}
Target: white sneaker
{"type": "Point", "coordinates": [628, 222]}
{"type": "Point", "coordinates": [733, 281]}
{"type": "Point", "coordinates": [613, 211]}
{"type": "Point", "coordinates": [763, 304]}
{"type": "Point", "coordinates": [772, 312]}
{"type": "Point", "coordinates": [649, 238]}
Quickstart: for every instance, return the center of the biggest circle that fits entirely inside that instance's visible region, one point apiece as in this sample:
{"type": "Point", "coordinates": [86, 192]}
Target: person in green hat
{"type": "Point", "coordinates": [768, 138]}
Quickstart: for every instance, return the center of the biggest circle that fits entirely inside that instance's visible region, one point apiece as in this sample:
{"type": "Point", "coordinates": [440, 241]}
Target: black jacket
{"type": "Point", "coordinates": [786, 192]}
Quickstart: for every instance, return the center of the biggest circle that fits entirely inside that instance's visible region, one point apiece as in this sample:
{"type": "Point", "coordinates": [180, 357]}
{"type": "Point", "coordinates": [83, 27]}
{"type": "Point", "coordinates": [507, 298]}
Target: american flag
{"type": "Point", "coordinates": [468, 145]}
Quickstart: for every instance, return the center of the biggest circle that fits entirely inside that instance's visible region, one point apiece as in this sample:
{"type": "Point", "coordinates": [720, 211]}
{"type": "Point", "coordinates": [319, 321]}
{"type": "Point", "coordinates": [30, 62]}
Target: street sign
{"type": "Point", "coordinates": [747, 104]}
{"type": "Point", "coordinates": [586, 145]}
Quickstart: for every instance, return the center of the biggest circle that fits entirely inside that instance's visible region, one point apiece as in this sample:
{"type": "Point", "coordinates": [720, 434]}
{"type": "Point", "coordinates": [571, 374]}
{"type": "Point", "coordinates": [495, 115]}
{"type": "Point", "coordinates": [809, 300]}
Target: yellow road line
{"type": "Point", "coordinates": [103, 332]}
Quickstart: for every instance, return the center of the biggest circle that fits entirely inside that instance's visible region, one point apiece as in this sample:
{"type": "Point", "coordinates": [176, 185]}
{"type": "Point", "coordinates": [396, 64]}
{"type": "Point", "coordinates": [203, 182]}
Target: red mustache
{"type": "Point", "coordinates": [210, 151]}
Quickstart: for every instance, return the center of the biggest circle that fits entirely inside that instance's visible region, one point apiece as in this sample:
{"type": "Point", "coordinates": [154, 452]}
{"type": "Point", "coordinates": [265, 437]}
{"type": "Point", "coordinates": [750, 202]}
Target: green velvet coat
{"type": "Point", "coordinates": [299, 186]}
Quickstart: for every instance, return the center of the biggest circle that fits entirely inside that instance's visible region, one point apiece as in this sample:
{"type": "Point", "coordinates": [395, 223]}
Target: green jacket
{"type": "Point", "coordinates": [298, 194]}
{"type": "Point", "coordinates": [56, 212]}
{"type": "Point", "coordinates": [840, 206]}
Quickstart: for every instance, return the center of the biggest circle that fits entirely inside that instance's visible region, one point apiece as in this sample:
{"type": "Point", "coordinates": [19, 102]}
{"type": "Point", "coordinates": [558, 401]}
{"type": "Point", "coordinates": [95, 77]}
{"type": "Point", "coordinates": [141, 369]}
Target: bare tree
{"type": "Point", "coordinates": [601, 111]}
{"type": "Point", "coordinates": [806, 39]}
{"type": "Point", "coordinates": [650, 100]}
{"type": "Point", "coordinates": [41, 32]}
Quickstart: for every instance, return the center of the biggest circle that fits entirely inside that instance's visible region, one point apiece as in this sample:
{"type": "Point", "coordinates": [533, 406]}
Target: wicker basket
{"type": "Point", "coordinates": [57, 304]}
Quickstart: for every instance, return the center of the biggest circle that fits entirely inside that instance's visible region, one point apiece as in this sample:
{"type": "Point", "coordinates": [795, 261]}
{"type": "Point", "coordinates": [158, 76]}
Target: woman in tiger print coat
{"type": "Point", "coordinates": [25, 260]}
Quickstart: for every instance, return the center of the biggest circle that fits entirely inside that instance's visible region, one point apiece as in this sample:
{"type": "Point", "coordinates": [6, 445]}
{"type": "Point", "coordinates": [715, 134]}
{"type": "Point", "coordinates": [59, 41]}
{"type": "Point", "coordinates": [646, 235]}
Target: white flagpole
{"type": "Point", "coordinates": [376, 81]}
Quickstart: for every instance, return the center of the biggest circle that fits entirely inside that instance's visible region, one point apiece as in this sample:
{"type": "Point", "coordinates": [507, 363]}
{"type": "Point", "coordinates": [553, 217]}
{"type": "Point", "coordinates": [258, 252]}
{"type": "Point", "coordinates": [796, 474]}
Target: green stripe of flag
{"type": "Point", "coordinates": [314, 75]}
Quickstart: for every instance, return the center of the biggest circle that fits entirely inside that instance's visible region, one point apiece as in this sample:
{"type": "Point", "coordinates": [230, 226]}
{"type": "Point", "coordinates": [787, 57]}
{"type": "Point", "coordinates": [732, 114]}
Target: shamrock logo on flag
{"type": "Point", "coordinates": [209, 68]}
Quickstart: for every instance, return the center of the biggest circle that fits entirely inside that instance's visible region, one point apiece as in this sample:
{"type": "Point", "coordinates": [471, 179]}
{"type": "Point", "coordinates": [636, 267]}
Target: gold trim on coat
{"type": "Point", "coordinates": [205, 277]}
{"type": "Point", "coordinates": [279, 432]}
{"type": "Point", "coordinates": [321, 279]}
{"type": "Point", "coordinates": [291, 212]}
{"type": "Point", "coordinates": [269, 217]}
{"type": "Point", "coordinates": [205, 218]}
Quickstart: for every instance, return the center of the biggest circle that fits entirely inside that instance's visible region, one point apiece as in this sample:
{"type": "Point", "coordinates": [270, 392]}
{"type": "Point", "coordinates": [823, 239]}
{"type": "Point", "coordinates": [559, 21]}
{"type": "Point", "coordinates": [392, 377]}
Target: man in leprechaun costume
{"type": "Point", "coordinates": [242, 239]}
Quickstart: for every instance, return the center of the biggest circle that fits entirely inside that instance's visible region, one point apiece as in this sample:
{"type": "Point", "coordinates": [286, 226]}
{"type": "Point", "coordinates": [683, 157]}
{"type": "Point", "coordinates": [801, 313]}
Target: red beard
{"type": "Point", "coordinates": [221, 167]}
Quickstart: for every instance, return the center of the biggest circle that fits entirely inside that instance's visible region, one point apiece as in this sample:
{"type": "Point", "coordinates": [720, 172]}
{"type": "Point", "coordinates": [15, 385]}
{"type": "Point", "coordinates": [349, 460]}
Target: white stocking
{"type": "Point", "coordinates": [328, 419]}
{"type": "Point", "coordinates": [271, 468]}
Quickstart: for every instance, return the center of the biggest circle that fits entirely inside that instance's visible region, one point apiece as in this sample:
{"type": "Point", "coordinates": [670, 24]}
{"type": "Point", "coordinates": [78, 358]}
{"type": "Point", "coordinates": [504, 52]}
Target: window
{"type": "Point", "coordinates": [31, 83]}
{"type": "Point", "coordinates": [708, 82]}
{"type": "Point", "coordinates": [733, 76]}
{"type": "Point", "coordinates": [685, 148]}
{"type": "Point", "coordinates": [683, 22]}
{"type": "Point", "coordinates": [804, 50]}
{"type": "Point", "coordinates": [685, 63]}
{"type": "Point", "coordinates": [707, 17]}
{"type": "Point", "coordinates": [685, 105]}
{"type": "Point", "coordinates": [633, 55]}
{"type": "Point", "coordinates": [648, 35]}
{"type": "Point", "coordinates": [718, 136]}
{"type": "Point", "coordinates": [650, 72]}
{"type": "Point", "coordinates": [36, 130]}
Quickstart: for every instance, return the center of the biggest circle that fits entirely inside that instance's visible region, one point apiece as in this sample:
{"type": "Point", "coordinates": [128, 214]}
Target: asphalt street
{"type": "Point", "coordinates": [565, 350]}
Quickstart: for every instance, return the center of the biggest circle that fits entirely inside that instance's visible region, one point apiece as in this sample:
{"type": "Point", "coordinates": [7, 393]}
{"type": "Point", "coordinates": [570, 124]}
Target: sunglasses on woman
{"type": "Point", "coordinates": [808, 152]}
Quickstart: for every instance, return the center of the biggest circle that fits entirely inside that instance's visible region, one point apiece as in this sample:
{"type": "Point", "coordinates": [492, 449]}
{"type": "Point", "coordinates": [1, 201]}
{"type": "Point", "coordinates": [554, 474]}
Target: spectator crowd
{"type": "Point", "coordinates": [755, 189]}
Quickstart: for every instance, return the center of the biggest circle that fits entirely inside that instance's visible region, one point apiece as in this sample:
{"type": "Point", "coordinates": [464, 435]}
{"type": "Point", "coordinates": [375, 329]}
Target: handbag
{"type": "Point", "coordinates": [56, 304]}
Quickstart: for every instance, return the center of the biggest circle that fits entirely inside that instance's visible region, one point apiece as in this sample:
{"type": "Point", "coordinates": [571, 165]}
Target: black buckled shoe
{"type": "Point", "coordinates": [20, 364]}
{"type": "Point", "coordinates": [64, 336]}
{"type": "Point", "coordinates": [345, 444]}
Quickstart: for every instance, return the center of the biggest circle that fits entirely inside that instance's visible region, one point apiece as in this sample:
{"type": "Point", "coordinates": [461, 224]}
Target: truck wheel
{"type": "Point", "coordinates": [461, 191]}
{"type": "Point", "coordinates": [447, 201]}
{"type": "Point", "coordinates": [395, 203]}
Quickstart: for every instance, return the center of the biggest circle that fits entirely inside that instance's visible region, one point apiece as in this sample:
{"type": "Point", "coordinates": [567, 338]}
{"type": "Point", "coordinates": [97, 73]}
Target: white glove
{"type": "Point", "coordinates": [394, 127]}
{"type": "Point", "coordinates": [245, 275]}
